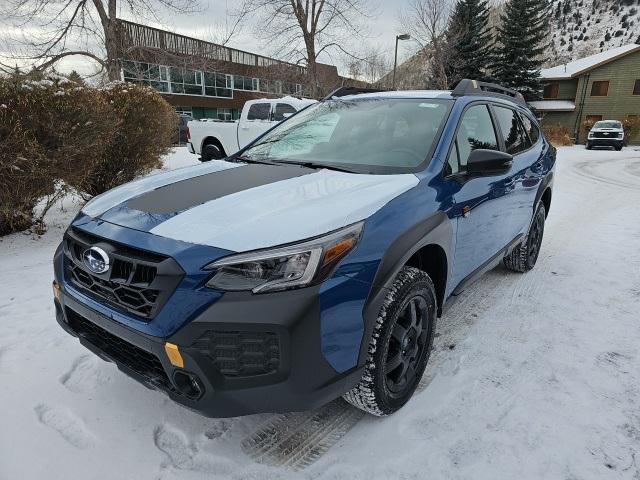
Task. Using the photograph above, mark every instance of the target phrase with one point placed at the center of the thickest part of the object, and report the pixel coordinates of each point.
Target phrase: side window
(259, 111)
(530, 128)
(475, 131)
(514, 138)
(281, 109)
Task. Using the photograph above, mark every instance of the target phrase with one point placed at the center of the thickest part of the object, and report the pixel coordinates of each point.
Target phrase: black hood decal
(183, 195)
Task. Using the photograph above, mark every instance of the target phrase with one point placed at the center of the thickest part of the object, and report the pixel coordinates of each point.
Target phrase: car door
(524, 180)
(481, 207)
(256, 122)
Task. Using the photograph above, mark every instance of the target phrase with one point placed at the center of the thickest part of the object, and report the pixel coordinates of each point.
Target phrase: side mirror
(286, 115)
(488, 162)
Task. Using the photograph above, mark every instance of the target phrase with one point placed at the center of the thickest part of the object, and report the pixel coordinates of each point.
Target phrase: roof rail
(475, 87)
(344, 91)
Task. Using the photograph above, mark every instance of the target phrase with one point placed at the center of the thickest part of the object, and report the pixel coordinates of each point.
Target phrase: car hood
(242, 207)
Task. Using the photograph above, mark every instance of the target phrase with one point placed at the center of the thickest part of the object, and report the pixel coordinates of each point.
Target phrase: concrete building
(207, 80)
(604, 86)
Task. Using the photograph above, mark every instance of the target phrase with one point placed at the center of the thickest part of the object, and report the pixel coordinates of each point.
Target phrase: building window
(241, 82)
(185, 81)
(217, 85)
(551, 90)
(184, 111)
(155, 76)
(600, 88)
(636, 87)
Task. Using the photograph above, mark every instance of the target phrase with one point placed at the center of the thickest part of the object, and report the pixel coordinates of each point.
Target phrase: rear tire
(400, 345)
(523, 257)
(211, 151)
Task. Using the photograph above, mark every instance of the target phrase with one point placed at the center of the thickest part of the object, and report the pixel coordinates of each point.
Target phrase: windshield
(371, 135)
(608, 124)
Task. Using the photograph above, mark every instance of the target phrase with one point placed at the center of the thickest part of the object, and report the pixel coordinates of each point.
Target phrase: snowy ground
(533, 376)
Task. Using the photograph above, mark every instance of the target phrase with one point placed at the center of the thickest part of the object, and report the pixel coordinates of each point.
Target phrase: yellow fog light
(174, 355)
(57, 292)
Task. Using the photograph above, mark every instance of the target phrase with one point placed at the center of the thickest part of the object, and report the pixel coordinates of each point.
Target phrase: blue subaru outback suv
(313, 263)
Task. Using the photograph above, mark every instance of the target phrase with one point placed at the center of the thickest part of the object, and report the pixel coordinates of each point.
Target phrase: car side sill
(486, 266)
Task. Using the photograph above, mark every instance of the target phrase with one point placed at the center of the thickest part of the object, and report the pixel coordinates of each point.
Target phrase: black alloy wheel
(535, 237)
(408, 340)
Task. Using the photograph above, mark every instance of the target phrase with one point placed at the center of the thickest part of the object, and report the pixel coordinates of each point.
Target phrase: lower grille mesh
(122, 352)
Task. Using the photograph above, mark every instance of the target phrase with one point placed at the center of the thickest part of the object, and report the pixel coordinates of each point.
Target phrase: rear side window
(530, 128)
(259, 111)
(512, 132)
(475, 131)
(281, 109)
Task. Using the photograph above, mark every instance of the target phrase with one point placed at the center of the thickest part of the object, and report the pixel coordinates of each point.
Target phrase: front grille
(605, 134)
(138, 282)
(241, 354)
(120, 351)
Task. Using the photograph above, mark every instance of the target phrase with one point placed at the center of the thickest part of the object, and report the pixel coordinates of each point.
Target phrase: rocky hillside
(585, 27)
(578, 28)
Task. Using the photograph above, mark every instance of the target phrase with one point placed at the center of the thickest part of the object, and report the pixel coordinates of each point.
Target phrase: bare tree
(426, 22)
(302, 30)
(371, 67)
(48, 31)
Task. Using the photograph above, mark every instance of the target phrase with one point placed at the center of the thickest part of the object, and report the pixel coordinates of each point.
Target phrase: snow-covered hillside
(533, 376)
(585, 27)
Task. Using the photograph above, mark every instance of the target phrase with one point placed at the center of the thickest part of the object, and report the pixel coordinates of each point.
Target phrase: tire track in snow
(298, 439)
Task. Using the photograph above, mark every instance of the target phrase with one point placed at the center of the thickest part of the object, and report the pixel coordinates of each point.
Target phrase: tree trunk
(109, 22)
(111, 44)
(312, 71)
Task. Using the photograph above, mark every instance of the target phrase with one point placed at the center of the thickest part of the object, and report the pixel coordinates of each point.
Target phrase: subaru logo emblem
(96, 259)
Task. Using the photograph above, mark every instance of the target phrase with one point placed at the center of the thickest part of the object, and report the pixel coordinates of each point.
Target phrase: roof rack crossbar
(344, 91)
(467, 86)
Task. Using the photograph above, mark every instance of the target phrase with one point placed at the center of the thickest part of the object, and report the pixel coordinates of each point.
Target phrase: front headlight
(285, 267)
(590, 134)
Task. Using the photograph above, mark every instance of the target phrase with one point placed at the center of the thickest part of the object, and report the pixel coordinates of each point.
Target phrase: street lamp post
(404, 36)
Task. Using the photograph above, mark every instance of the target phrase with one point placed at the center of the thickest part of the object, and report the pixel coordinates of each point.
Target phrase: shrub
(146, 128)
(586, 126)
(558, 135)
(631, 127)
(50, 129)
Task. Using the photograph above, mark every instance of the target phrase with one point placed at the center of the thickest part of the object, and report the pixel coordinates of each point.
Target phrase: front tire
(211, 152)
(523, 257)
(400, 345)
(588, 146)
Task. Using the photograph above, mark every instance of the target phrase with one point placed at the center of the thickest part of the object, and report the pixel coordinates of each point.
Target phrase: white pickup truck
(219, 139)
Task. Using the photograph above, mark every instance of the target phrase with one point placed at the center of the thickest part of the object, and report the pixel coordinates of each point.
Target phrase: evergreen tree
(522, 43)
(470, 41)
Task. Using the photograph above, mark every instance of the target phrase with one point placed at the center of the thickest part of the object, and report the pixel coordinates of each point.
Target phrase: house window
(636, 87)
(551, 90)
(600, 88)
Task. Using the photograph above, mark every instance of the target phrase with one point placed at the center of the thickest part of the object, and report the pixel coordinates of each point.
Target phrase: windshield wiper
(252, 160)
(316, 165)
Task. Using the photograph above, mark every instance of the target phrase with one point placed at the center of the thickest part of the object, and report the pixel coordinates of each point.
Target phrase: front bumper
(605, 142)
(281, 329)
